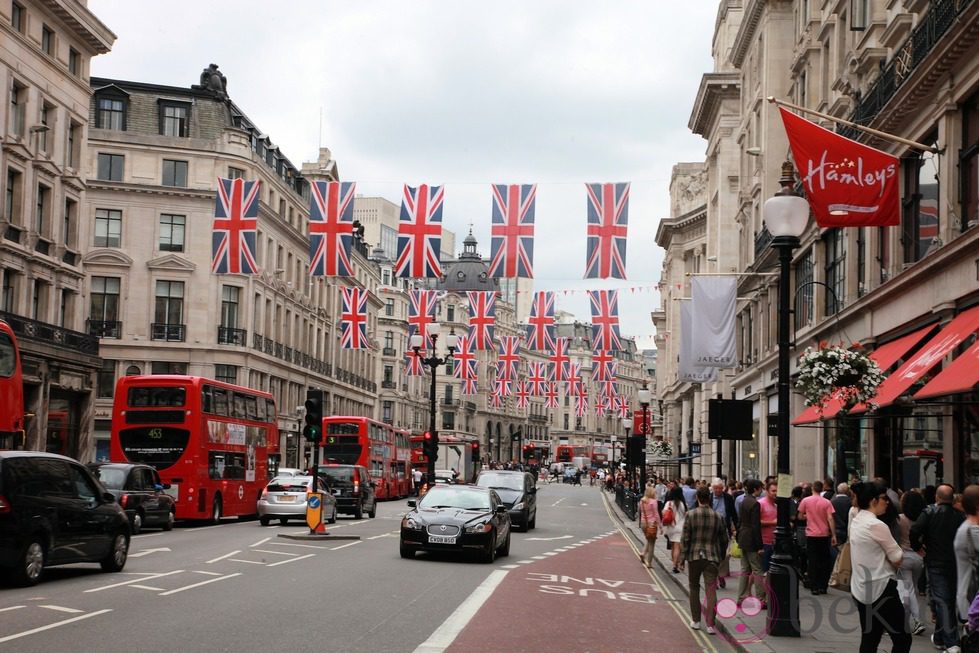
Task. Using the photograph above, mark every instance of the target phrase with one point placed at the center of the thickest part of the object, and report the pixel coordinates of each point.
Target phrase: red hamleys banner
(847, 183)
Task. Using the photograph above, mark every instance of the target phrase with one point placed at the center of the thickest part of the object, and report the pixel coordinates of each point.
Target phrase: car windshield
(500, 481)
(446, 497)
(290, 484)
(112, 478)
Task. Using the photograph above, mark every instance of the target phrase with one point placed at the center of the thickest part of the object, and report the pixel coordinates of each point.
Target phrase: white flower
(835, 372)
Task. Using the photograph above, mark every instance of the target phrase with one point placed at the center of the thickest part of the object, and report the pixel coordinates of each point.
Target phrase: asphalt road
(238, 587)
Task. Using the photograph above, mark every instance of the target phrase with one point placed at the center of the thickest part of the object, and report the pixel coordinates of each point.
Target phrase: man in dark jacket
(723, 505)
(703, 543)
(934, 531)
(749, 539)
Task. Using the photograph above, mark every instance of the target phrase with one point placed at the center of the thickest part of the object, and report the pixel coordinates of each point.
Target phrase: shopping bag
(735, 551)
(842, 569)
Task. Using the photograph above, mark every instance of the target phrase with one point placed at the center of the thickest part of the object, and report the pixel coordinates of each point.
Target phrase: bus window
(261, 414)
(251, 407)
(239, 411)
(147, 396)
(269, 410)
(8, 356)
(221, 402)
(207, 399)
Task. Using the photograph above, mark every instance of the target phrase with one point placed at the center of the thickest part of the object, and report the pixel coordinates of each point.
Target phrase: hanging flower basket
(659, 449)
(834, 372)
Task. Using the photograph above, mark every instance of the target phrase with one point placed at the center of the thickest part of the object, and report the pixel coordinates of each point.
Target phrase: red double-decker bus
(566, 453)
(11, 391)
(457, 451)
(209, 440)
(382, 449)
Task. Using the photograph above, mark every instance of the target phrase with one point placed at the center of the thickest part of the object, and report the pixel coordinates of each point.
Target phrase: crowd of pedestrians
(902, 545)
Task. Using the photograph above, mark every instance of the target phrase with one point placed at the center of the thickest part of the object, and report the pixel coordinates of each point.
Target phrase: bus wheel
(216, 512)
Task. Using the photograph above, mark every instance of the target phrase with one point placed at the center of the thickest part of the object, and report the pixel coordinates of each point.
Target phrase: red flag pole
(869, 130)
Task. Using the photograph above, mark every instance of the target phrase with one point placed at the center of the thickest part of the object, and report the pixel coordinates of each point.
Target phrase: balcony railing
(168, 332)
(105, 328)
(28, 329)
(42, 246)
(389, 351)
(13, 233)
(450, 401)
(762, 240)
(389, 385)
(232, 336)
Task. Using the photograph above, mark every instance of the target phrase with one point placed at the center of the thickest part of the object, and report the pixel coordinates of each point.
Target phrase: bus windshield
(158, 446)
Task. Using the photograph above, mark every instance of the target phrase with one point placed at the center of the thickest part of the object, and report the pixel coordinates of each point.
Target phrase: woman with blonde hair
(649, 522)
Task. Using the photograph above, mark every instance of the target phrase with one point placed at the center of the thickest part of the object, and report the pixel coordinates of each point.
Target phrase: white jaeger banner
(714, 303)
(689, 370)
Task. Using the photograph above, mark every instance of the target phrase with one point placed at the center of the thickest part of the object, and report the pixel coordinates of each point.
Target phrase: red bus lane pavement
(589, 596)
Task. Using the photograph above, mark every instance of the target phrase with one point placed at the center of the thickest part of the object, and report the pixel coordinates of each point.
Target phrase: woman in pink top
(769, 519)
(649, 516)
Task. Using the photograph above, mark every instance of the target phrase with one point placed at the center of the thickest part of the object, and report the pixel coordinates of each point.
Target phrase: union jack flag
(540, 327)
(501, 385)
(608, 219)
(605, 319)
(601, 362)
(560, 360)
(550, 395)
(576, 386)
(601, 405)
(523, 394)
(482, 318)
(469, 386)
(421, 312)
(353, 319)
(581, 405)
(465, 365)
(234, 227)
(537, 378)
(496, 397)
(512, 244)
(509, 357)
(420, 232)
(331, 225)
(621, 405)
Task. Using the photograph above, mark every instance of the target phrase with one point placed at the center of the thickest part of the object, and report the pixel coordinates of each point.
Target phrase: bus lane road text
(622, 590)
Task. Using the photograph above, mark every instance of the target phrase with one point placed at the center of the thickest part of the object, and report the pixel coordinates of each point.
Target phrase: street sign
(694, 448)
(314, 512)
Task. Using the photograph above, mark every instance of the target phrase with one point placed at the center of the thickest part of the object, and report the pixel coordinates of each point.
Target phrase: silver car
(284, 498)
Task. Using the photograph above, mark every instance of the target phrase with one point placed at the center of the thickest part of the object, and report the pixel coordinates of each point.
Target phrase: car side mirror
(108, 497)
(412, 503)
(501, 510)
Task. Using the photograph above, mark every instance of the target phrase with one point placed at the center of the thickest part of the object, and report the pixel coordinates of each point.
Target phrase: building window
(804, 292)
(69, 231)
(919, 210)
(226, 373)
(387, 412)
(65, 308)
(108, 228)
(388, 374)
(74, 142)
(74, 62)
(105, 299)
(448, 420)
(12, 197)
(111, 113)
(110, 166)
(39, 301)
(9, 291)
(106, 382)
(861, 262)
(17, 17)
(567, 421)
(236, 173)
(162, 367)
(969, 163)
(835, 270)
(18, 106)
(229, 306)
(43, 134)
(42, 207)
(450, 313)
(168, 312)
(47, 40)
(389, 307)
(174, 119)
(172, 232)
(174, 173)
(389, 340)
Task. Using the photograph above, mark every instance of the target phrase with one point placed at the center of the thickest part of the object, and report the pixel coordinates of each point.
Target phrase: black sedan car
(457, 518)
(518, 490)
(139, 491)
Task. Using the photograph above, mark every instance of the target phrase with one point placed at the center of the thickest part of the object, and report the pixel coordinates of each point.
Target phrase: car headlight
(479, 527)
(410, 524)
(518, 506)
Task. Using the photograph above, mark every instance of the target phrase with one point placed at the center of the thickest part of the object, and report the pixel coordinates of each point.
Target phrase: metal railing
(105, 328)
(168, 332)
(232, 336)
(28, 329)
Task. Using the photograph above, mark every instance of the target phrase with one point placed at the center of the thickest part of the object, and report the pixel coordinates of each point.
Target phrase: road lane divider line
(249, 562)
(375, 537)
(134, 580)
(203, 582)
(275, 553)
(445, 634)
(61, 608)
(206, 573)
(305, 546)
(226, 555)
(13, 607)
(285, 562)
(344, 546)
(261, 541)
(41, 629)
(148, 587)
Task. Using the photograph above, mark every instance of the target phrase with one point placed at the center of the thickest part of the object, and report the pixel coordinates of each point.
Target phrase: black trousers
(884, 614)
(820, 562)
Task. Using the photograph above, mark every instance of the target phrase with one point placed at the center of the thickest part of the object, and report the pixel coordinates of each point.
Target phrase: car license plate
(287, 499)
(441, 539)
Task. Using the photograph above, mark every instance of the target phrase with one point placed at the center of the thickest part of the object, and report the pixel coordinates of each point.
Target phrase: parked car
(518, 490)
(290, 471)
(54, 512)
(353, 489)
(139, 491)
(284, 498)
(457, 518)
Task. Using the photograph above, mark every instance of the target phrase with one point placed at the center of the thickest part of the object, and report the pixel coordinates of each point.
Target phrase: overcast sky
(460, 93)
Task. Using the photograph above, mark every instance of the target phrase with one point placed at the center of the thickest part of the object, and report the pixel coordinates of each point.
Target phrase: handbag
(842, 569)
(735, 551)
(651, 530)
(668, 517)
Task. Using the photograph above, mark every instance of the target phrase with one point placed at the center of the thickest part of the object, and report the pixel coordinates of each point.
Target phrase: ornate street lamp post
(433, 362)
(645, 396)
(786, 216)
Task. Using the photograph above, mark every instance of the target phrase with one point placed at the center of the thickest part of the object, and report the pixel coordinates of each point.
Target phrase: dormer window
(174, 118)
(110, 110)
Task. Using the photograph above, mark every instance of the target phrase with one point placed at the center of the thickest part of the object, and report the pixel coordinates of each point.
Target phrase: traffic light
(431, 446)
(528, 451)
(475, 452)
(636, 449)
(313, 431)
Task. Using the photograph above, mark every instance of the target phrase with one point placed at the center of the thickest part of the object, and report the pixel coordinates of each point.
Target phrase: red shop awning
(960, 328)
(885, 355)
(961, 375)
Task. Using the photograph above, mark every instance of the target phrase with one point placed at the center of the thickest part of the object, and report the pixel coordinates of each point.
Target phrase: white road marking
(584, 504)
(148, 587)
(525, 562)
(261, 541)
(60, 608)
(134, 580)
(549, 539)
(558, 501)
(226, 555)
(275, 553)
(305, 546)
(379, 536)
(250, 562)
(146, 552)
(550, 553)
(204, 582)
(445, 634)
(285, 562)
(13, 607)
(538, 557)
(344, 546)
(509, 566)
(206, 573)
(50, 626)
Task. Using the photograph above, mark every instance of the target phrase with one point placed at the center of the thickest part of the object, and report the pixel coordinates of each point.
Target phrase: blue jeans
(942, 586)
(766, 556)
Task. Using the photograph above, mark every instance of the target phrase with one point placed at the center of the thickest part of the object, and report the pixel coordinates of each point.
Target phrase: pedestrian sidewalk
(829, 623)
